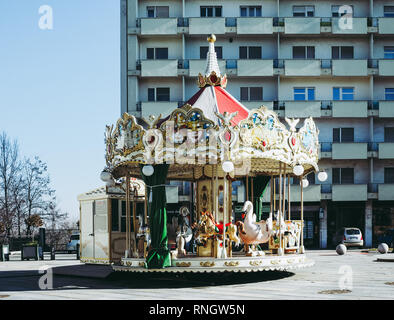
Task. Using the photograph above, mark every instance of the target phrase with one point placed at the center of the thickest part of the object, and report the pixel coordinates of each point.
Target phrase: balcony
(198, 66)
(349, 192)
(254, 25)
(302, 109)
(354, 26)
(386, 192)
(257, 104)
(350, 67)
(349, 150)
(155, 108)
(207, 26)
(350, 109)
(297, 67)
(302, 25)
(386, 109)
(255, 68)
(386, 67)
(312, 193)
(159, 26)
(386, 150)
(159, 68)
(386, 25)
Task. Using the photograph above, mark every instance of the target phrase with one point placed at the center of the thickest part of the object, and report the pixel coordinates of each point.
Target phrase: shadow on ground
(187, 280)
(29, 281)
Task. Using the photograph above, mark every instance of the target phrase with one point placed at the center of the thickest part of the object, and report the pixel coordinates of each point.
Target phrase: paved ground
(356, 275)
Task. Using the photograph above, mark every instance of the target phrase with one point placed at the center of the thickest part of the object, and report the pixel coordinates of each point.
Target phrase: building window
(303, 52)
(250, 52)
(388, 175)
(335, 11)
(343, 52)
(344, 93)
(388, 11)
(343, 175)
(251, 93)
(303, 94)
(158, 94)
(389, 93)
(303, 11)
(250, 11)
(343, 134)
(204, 52)
(389, 52)
(158, 12)
(389, 134)
(157, 53)
(211, 11)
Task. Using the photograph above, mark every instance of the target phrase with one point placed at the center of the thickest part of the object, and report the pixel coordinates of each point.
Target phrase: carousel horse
(142, 236)
(253, 232)
(208, 227)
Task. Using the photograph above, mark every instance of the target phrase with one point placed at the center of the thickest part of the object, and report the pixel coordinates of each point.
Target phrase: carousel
(211, 142)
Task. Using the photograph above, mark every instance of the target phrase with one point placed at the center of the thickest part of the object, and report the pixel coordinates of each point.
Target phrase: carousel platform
(237, 263)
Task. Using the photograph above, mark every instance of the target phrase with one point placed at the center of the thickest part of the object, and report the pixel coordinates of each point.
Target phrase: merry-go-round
(212, 141)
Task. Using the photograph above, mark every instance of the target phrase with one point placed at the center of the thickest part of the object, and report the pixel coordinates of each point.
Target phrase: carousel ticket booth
(211, 141)
(103, 221)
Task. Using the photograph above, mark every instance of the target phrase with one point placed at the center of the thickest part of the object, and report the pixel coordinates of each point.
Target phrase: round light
(227, 166)
(305, 183)
(298, 170)
(322, 176)
(105, 176)
(148, 170)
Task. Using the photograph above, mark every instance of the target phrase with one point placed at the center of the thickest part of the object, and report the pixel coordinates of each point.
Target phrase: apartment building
(332, 60)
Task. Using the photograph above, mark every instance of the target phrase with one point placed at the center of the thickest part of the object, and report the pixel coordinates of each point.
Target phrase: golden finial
(211, 38)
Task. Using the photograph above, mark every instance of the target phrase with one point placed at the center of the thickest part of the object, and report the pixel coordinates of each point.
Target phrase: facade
(300, 58)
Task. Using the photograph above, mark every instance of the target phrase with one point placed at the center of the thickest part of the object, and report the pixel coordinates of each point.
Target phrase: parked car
(72, 244)
(350, 237)
(387, 237)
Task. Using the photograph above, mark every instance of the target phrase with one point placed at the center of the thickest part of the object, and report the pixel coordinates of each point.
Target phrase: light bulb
(148, 170)
(298, 170)
(106, 176)
(227, 166)
(322, 176)
(305, 183)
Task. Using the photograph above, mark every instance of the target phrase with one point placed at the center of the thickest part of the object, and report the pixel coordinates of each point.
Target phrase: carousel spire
(212, 62)
(212, 75)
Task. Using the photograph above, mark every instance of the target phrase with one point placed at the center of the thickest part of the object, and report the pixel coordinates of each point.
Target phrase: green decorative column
(260, 184)
(159, 254)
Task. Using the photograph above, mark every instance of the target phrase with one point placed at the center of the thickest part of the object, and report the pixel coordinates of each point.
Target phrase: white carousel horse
(184, 232)
(253, 232)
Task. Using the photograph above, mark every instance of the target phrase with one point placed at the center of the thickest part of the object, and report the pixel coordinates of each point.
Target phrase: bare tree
(10, 167)
(38, 193)
(53, 215)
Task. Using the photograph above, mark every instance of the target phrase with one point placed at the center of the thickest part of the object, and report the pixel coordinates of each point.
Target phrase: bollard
(5, 252)
(52, 253)
(78, 253)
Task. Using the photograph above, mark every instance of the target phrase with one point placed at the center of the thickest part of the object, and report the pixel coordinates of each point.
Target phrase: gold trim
(231, 263)
(256, 263)
(183, 264)
(207, 264)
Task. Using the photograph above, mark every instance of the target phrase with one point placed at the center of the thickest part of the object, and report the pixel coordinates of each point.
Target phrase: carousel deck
(236, 263)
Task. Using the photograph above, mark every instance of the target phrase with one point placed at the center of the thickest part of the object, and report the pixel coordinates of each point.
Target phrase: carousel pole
(284, 192)
(288, 198)
(302, 249)
(225, 205)
(217, 194)
(271, 192)
(127, 254)
(135, 221)
(280, 250)
(247, 187)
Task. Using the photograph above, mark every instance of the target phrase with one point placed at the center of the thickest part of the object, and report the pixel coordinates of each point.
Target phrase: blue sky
(60, 87)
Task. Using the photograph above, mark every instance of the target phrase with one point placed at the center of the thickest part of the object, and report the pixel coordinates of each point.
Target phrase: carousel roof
(210, 128)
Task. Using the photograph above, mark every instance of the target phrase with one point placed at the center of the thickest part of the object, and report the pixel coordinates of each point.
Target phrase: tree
(53, 215)
(38, 194)
(10, 167)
